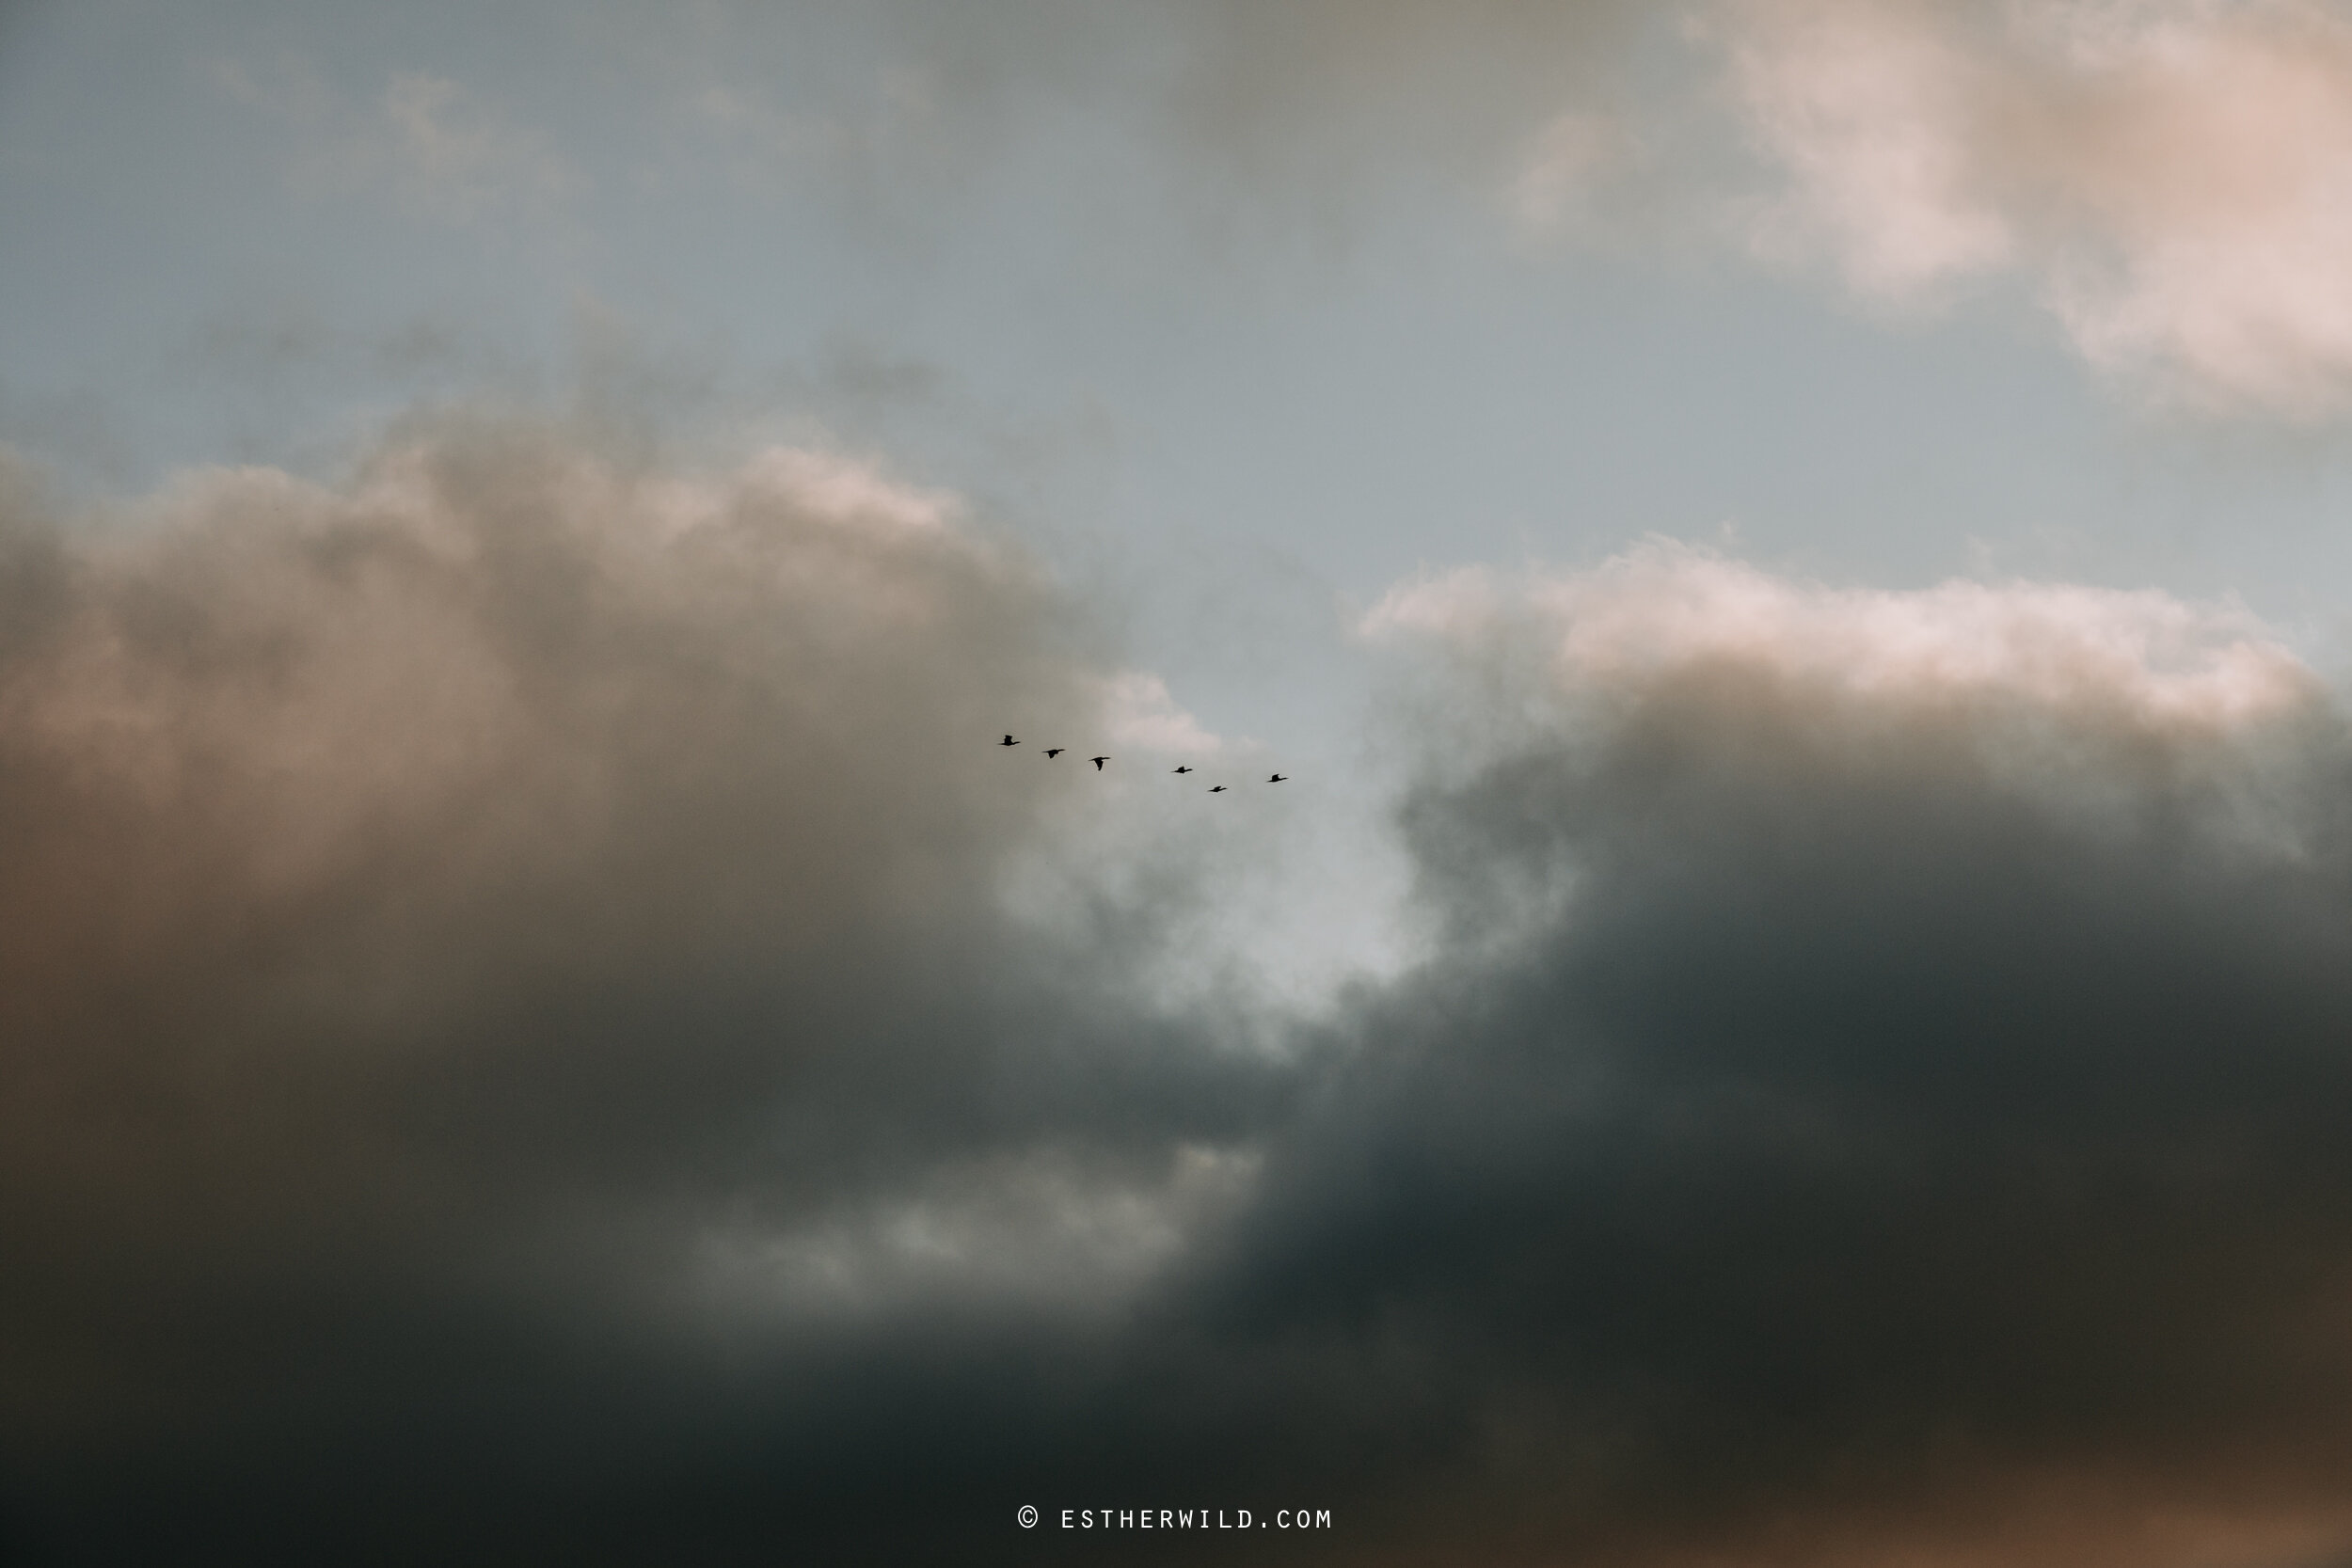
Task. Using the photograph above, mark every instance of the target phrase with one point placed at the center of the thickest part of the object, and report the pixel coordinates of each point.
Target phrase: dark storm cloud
(1884, 1087)
(519, 1045)
(462, 921)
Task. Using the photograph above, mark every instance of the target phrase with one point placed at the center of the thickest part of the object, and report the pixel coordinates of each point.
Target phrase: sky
(1790, 1010)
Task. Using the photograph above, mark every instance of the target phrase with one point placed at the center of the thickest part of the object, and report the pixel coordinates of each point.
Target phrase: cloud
(514, 894)
(1144, 714)
(2168, 178)
(2164, 178)
(1317, 91)
(1877, 1095)
(1246, 127)
(1667, 608)
(1562, 163)
(536, 1019)
(449, 154)
(437, 148)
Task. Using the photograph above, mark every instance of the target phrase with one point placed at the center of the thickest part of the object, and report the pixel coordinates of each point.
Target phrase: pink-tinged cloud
(1664, 608)
(2173, 179)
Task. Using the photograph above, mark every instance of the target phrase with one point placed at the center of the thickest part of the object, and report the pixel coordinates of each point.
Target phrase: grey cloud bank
(537, 1025)
(520, 1044)
(456, 904)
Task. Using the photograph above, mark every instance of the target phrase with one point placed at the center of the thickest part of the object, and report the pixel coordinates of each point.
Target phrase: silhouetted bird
(1098, 762)
(1216, 789)
(1008, 741)
(1277, 778)
(1184, 770)
(1055, 750)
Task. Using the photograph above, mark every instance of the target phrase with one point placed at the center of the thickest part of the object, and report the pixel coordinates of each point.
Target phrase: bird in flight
(1055, 750)
(1184, 770)
(1216, 789)
(1008, 741)
(1098, 762)
(1277, 778)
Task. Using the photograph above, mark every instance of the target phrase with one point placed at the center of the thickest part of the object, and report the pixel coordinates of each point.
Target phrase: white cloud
(2057, 691)
(1663, 607)
(1866, 105)
(2173, 176)
(1139, 712)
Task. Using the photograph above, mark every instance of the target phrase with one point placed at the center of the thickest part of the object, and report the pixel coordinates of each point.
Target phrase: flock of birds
(1213, 789)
